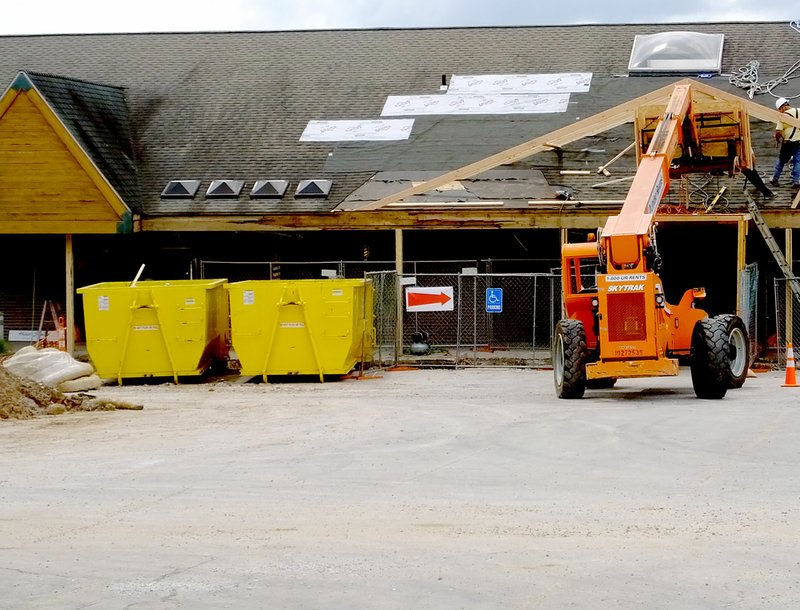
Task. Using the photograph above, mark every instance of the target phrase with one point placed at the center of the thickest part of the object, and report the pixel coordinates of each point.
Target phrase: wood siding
(43, 186)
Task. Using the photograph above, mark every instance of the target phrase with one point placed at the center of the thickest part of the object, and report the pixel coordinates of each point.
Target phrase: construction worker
(788, 139)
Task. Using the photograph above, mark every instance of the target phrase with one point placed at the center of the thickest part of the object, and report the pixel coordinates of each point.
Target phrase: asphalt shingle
(211, 106)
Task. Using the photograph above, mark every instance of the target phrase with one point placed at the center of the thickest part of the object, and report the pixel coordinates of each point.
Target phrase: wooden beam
(518, 218)
(603, 168)
(566, 216)
(741, 261)
(796, 200)
(614, 181)
(598, 123)
(69, 281)
(753, 109)
(32, 226)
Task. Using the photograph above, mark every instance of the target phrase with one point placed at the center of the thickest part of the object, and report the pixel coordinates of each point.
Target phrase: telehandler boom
(619, 323)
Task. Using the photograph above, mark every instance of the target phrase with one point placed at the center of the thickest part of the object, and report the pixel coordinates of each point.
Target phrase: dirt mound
(22, 399)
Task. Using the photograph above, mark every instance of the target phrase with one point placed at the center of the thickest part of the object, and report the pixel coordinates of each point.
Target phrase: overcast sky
(84, 16)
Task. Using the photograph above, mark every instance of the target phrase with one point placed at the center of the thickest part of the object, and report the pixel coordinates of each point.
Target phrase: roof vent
(224, 189)
(269, 189)
(676, 53)
(313, 188)
(181, 189)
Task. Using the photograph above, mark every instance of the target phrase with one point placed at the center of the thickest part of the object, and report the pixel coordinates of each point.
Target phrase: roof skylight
(224, 189)
(313, 188)
(676, 53)
(180, 189)
(269, 189)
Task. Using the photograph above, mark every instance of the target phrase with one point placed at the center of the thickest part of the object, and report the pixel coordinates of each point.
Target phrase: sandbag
(81, 384)
(64, 371)
(28, 361)
(47, 366)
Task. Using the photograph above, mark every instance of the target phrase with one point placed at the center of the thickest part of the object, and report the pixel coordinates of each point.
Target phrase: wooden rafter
(598, 123)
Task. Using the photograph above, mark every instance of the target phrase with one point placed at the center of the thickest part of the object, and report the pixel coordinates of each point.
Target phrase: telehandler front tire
(710, 361)
(569, 359)
(739, 349)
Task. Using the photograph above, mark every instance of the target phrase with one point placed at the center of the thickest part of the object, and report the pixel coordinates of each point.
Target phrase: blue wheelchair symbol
(494, 300)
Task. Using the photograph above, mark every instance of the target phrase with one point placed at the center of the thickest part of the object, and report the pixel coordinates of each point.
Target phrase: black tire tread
(732, 322)
(710, 360)
(575, 356)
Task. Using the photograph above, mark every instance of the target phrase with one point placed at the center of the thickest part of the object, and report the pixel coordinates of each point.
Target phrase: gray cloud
(57, 16)
(446, 13)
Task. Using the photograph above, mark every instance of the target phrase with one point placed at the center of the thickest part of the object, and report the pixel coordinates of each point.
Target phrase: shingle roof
(97, 117)
(212, 106)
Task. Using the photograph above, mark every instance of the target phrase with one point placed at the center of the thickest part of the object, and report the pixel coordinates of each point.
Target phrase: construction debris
(22, 398)
(603, 169)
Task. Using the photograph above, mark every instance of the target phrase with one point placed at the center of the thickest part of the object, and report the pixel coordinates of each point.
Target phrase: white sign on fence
(439, 298)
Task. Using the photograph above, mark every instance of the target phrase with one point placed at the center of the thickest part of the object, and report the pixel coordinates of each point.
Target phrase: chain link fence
(464, 332)
(468, 330)
(787, 318)
(491, 319)
(749, 307)
(236, 271)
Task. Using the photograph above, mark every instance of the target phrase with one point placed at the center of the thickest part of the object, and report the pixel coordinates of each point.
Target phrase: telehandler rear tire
(569, 359)
(739, 354)
(709, 361)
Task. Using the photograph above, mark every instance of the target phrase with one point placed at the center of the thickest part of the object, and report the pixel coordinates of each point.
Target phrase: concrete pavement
(418, 489)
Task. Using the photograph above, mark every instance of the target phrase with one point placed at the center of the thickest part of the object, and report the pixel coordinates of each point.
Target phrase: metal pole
(398, 263)
(458, 320)
(535, 300)
(474, 319)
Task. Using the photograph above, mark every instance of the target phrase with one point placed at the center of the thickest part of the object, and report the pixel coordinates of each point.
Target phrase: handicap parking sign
(494, 300)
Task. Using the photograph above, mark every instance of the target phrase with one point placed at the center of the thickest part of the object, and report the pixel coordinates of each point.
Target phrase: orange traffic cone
(791, 372)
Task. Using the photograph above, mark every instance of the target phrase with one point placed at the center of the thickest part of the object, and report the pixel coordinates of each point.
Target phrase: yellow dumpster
(156, 328)
(301, 327)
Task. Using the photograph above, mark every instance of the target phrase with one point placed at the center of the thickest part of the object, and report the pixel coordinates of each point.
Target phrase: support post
(69, 281)
(741, 261)
(398, 265)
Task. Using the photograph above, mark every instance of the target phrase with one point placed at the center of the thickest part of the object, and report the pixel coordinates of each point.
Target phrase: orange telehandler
(619, 323)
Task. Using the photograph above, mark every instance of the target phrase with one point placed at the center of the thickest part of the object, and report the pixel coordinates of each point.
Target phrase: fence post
(535, 302)
(398, 262)
(474, 318)
(458, 320)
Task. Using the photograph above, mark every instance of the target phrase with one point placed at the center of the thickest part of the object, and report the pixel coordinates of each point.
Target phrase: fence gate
(465, 320)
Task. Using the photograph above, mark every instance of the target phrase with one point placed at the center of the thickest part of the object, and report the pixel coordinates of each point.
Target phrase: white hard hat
(780, 102)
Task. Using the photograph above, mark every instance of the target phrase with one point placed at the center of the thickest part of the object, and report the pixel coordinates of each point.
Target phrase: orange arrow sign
(416, 299)
(429, 298)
